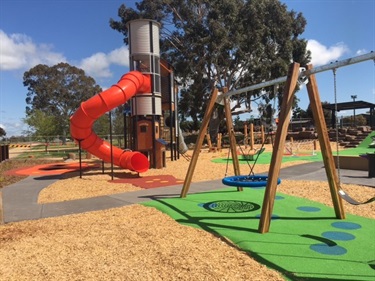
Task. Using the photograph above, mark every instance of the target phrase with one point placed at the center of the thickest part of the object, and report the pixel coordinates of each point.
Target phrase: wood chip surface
(137, 242)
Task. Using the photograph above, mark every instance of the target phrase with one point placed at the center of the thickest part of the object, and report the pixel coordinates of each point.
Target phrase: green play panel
(305, 242)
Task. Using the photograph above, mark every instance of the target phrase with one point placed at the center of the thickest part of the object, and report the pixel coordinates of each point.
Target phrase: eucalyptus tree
(222, 43)
(43, 125)
(58, 91)
(2, 132)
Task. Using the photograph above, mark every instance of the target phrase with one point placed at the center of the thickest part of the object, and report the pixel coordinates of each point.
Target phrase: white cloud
(98, 65)
(361, 52)
(321, 54)
(13, 128)
(120, 56)
(18, 51)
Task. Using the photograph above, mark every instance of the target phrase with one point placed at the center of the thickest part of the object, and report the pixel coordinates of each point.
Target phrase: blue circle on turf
(279, 197)
(308, 209)
(328, 250)
(346, 225)
(338, 235)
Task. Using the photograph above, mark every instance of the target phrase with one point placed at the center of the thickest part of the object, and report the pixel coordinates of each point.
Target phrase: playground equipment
(153, 123)
(142, 90)
(251, 180)
(294, 76)
(251, 153)
(211, 147)
(251, 138)
(247, 181)
(252, 156)
(146, 109)
(300, 147)
(82, 120)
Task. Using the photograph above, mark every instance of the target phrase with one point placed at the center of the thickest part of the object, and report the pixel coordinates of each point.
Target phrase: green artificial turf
(367, 141)
(362, 148)
(265, 158)
(305, 242)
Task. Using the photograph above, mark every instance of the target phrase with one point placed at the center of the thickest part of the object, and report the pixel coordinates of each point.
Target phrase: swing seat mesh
(247, 181)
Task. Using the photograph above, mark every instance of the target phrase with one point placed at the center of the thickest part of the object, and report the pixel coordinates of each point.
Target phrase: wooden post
(262, 133)
(199, 142)
(291, 145)
(325, 146)
(245, 140)
(1, 209)
(251, 136)
(277, 153)
(314, 148)
(208, 138)
(232, 137)
(219, 138)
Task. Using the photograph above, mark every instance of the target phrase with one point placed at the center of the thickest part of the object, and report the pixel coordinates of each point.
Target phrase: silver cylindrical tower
(144, 53)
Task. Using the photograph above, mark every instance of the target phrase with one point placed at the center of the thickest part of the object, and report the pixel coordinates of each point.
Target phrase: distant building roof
(349, 105)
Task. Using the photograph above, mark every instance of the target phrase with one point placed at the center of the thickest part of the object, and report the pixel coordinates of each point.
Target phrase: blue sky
(78, 32)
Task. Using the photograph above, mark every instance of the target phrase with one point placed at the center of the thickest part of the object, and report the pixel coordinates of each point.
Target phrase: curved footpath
(20, 200)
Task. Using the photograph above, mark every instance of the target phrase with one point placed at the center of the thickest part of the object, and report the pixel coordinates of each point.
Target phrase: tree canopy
(57, 91)
(2, 132)
(230, 43)
(43, 125)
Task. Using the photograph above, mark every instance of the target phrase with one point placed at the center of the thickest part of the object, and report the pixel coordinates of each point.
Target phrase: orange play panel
(51, 169)
(150, 181)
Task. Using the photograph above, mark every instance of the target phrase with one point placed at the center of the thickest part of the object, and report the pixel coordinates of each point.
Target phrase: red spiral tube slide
(82, 120)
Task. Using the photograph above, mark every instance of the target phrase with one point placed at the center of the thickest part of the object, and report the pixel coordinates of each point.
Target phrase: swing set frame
(294, 76)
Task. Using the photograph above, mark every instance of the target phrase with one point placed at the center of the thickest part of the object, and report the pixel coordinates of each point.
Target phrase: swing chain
(342, 193)
(336, 128)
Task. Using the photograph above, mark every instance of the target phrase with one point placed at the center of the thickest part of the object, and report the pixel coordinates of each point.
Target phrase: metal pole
(80, 158)
(353, 97)
(110, 140)
(125, 130)
(305, 73)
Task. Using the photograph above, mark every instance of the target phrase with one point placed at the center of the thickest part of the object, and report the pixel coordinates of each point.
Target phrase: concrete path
(20, 199)
(315, 171)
